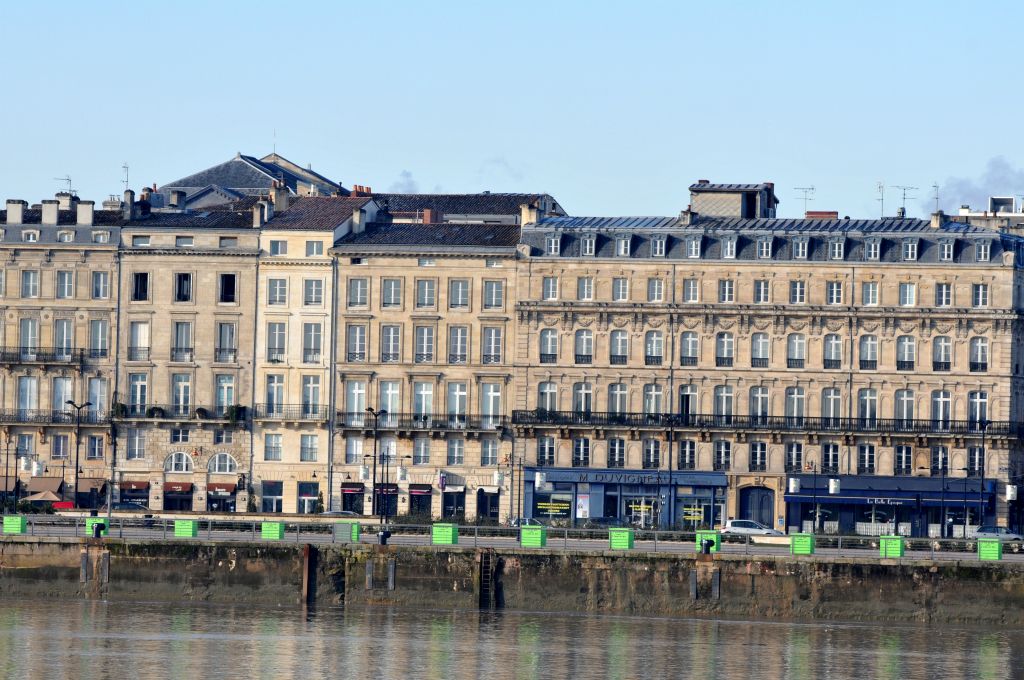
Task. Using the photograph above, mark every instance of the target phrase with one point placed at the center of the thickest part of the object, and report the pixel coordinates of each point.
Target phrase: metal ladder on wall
(486, 579)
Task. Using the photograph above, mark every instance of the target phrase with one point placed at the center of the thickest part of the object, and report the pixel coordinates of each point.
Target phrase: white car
(748, 527)
(1001, 533)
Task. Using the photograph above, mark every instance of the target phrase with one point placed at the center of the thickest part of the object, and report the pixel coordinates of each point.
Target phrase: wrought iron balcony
(492, 358)
(618, 359)
(707, 421)
(979, 366)
(185, 354)
(904, 365)
(652, 360)
(869, 364)
(723, 362)
(389, 357)
(51, 417)
(794, 363)
(456, 358)
(833, 364)
(225, 355)
(687, 361)
(138, 354)
(275, 355)
(941, 365)
(424, 357)
(97, 352)
(548, 358)
(417, 421)
(41, 355)
(290, 412)
(356, 356)
(180, 412)
(584, 358)
(761, 362)
(311, 356)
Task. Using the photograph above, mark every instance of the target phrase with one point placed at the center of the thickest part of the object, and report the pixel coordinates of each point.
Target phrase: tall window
(308, 445)
(227, 288)
(426, 294)
(272, 447)
(549, 288)
(794, 457)
(358, 292)
(868, 352)
(619, 347)
(943, 294)
(136, 444)
(458, 293)
(183, 287)
(276, 333)
(548, 345)
(723, 404)
(831, 407)
(979, 295)
(761, 291)
(655, 290)
(421, 451)
(759, 404)
(796, 350)
(723, 455)
(832, 349)
(724, 349)
(651, 454)
(312, 292)
(616, 453)
(903, 459)
(311, 343)
(726, 290)
(423, 400)
(797, 292)
(689, 348)
(275, 394)
(795, 406)
(584, 346)
(582, 397)
(65, 285)
(830, 458)
(585, 288)
(494, 294)
(942, 353)
(458, 344)
(29, 283)
(653, 399)
(979, 354)
(691, 290)
(355, 342)
(547, 396)
(866, 459)
(729, 248)
(942, 407)
(581, 452)
(545, 450)
(277, 291)
(653, 347)
(687, 454)
(908, 294)
(488, 451)
(622, 246)
(904, 404)
(492, 345)
(100, 285)
(390, 343)
(618, 398)
(833, 293)
(867, 407)
(906, 352)
(758, 456)
(977, 409)
(424, 344)
(940, 459)
(869, 293)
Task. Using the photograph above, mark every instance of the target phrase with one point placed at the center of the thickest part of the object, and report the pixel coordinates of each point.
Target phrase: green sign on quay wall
(90, 522)
(990, 549)
(186, 528)
(14, 524)
(890, 546)
(620, 538)
(715, 536)
(272, 531)
(801, 544)
(349, 530)
(533, 537)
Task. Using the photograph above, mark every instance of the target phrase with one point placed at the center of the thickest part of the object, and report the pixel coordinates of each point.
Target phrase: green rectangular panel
(444, 534)
(349, 531)
(533, 537)
(14, 524)
(715, 536)
(90, 522)
(620, 539)
(990, 549)
(272, 531)
(186, 528)
(801, 544)
(891, 546)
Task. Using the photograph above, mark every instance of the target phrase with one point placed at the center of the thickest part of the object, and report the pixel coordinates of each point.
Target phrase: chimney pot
(16, 211)
(937, 219)
(85, 213)
(128, 205)
(50, 212)
(64, 200)
(178, 199)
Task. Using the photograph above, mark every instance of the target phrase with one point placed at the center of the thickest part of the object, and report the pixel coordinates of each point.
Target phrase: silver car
(748, 527)
(1002, 533)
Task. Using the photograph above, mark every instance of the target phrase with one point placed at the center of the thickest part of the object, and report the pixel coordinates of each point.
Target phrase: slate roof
(457, 204)
(316, 213)
(250, 175)
(444, 236)
(607, 223)
(718, 188)
(68, 217)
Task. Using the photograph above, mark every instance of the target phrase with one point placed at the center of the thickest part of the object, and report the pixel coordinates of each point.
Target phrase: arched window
(547, 396)
(796, 350)
(178, 462)
(223, 464)
(548, 346)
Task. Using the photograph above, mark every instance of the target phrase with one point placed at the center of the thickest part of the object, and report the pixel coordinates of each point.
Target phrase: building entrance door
(758, 503)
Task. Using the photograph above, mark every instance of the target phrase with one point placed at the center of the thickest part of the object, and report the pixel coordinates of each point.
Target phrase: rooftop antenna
(881, 197)
(905, 189)
(935, 188)
(274, 145)
(125, 180)
(808, 195)
(67, 179)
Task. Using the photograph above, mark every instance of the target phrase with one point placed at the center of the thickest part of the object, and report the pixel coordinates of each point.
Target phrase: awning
(387, 489)
(352, 487)
(454, 489)
(178, 487)
(891, 498)
(221, 488)
(420, 489)
(134, 486)
(489, 489)
(43, 497)
(87, 485)
(51, 484)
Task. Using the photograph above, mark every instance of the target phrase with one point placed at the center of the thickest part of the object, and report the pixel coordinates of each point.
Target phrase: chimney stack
(64, 200)
(937, 219)
(146, 191)
(85, 213)
(261, 214)
(128, 205)
(358, 221)
(178, 199)
(50, 211)
(279, 195)
(528, 213)
(15, 211)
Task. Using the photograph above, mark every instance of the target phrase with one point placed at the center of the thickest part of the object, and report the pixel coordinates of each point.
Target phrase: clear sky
(615, 108)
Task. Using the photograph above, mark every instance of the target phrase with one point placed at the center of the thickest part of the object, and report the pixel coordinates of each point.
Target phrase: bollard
(382, 536)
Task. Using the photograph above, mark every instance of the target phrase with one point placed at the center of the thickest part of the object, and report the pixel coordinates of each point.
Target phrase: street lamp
(382, 533)
(942, 498)
(78, 440)
(7, 472)
(966, 472)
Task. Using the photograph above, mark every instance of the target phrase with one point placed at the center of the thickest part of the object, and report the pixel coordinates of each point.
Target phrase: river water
(136, 641)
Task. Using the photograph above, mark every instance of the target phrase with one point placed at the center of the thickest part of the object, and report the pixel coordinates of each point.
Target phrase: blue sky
(615, 108)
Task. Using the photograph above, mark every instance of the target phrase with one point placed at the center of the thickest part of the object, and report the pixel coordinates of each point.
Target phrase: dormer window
(945, 251)
(183, 241)
(552, 244)
(658, 246)
(588, 245)
(101, 237)
(729, 247)
(140, 241)
(910, 250)
(800, 249)
(30, 236)
(836, 249)
(982, 251)
(764, 248)
(622, 246)
(693, 247)
(65, 236)
(872, 248)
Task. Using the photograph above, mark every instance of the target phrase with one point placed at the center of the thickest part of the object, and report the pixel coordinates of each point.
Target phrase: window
(458, 344)
(492, 345)
(796, 401)
(228, 288)
(588, 245)
(618, 348)
(426, 293)
(101, 237)
(183, 242)
(982, 251)
(585, 288)
(584, 346)
(424, 339)
(723, 404)
(272, 447)
(616, 453)
(494, 294)
(622, 246)
(942, 353)
(224, 396)
(488, 451)
(308, 448)
(758, 456)
(222, 464)
(691, 290)
(137, 393)
(550, 288)
(545, 451)
(797, 292)
(724, 349)
(277, 291)
(180, 435)
(581, 452)
(421, 451)
(909, 250)
(29, 283)
(764, 248)
(759, 408)
(871, 249)
(136, 444)
(178, 462)
(391, 293)
(689, 348)
(658, 246)
(651, 454)
(904, 406)
(903, 459)
(552, 244)
(355, 342)
(456, 451)
(759, 350)
(979, 295)
(311, 340)
(906, 353)
(140, 286)
(390, 343)
(181, 394)
(908, 294)
(228, 242)
(867, 407)
(458, 294)
(620, 290)
(99, 334)
(794, 457)
(940, 459)
(279, 247)
(547, 396)
(836, 249)
(833, 293)
(945, 251)
(653, 399)
(869, 293)
(687, 454)
(800, 249)
(655, 290)
(943, 294)
(796, 350)
(726, 290)
(358, 292)
(723, 455)
(729, 248)
(618, 398)
(979, 355)
(425, 262)
(868, 347)
(60, 446)
(423, 400)
(866, 459)
(312, 292)
(761, 289)
(276, 339)
(140, 241)
(314, 248)
(183, 287)
(100, 285)
(693, 247)
(65, 285)
(653, 348)
(975, 460)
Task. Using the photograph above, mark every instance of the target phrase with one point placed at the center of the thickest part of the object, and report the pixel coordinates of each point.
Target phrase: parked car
(603, 523)
(748, 527)
(1002, 533)
(340, 513)
(126, 506)
(525, 522)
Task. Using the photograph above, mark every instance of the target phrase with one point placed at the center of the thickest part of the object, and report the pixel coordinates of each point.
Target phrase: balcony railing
(311, 356)
(290, 412)
(225, 355)
(794, 363)
(275, 355)
(138, 354)
(652, 360)
(176, 412)
(96, 352)
(833, 364)
(41, 355)
(584, 358)
(869, 364)
(456, 358)
(700, 421)
(941, 365)
(492, 358)
(723, 362)
(356, 356)
(687, 361)
(22, 415)
(423, 357)
(183, 354)
(548, 358)
(979, 366)
(389, 357)
(761, 362)
(618, 359)
(904, 365)
(425, 422)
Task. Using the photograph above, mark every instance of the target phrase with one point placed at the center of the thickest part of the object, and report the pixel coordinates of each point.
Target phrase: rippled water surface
(46, 638)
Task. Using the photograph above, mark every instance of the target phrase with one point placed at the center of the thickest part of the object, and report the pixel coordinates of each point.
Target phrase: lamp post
(942, 497)
(78, 440)
(814, 487)
(382, 534)
(966, 472)
(7, 472)
(981, 466)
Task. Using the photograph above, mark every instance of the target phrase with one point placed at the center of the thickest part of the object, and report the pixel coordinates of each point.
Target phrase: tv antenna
(66, 179)
(905, 189)
(935, 188)
(881, 197)
(125, 180)
(808, 195)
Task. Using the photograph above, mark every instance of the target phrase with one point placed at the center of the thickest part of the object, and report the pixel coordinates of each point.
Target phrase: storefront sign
(554, 508)
(583, 506)
(884, 501)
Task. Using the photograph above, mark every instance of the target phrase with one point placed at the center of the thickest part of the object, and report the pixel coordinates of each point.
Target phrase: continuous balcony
(706, 421)
(411, 422)
(64, 356)
(49, 417)
(178, 412)
(290, 412)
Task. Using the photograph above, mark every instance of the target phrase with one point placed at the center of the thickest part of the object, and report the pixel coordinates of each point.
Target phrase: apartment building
(726, 363)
